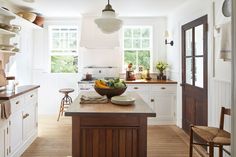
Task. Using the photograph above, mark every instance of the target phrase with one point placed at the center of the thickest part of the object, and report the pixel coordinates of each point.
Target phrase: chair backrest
(222, 116)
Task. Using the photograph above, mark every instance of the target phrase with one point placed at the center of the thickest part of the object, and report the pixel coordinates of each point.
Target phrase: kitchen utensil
(110, 92)
(27, 15)
(226, 8)
(122, 100)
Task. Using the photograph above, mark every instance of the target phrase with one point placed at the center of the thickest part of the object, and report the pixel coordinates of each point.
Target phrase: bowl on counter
(110, 92)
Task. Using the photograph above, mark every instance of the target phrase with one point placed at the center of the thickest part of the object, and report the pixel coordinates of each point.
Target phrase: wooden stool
(65, 101)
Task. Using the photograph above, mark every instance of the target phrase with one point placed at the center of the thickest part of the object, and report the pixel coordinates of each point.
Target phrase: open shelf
(24, 22)
(4, 51)
(6, 32)
(7, 13)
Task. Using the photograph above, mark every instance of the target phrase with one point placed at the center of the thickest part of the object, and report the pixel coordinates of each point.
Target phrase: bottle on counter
(148, 75)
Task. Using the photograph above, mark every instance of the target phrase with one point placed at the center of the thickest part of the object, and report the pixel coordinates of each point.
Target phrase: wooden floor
(55, 140)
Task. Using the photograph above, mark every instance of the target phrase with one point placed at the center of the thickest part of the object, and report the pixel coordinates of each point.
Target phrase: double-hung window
(63, 47)
(137, 46)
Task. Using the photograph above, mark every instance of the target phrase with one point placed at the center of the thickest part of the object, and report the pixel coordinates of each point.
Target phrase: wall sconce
(166, 36)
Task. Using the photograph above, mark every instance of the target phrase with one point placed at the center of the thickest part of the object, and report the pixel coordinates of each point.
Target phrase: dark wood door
(194, 73)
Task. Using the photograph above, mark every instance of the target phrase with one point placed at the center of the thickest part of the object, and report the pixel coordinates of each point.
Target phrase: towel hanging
(225, 42)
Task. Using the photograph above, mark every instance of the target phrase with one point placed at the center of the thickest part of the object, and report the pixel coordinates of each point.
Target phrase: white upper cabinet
(93, 38)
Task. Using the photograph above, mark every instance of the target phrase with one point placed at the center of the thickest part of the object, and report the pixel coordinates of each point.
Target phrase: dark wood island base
(111, 131)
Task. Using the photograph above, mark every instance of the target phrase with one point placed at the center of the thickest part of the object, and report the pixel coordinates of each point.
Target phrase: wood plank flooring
(55, 140)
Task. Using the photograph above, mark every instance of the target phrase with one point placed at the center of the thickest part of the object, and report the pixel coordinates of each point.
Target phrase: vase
(161, 76)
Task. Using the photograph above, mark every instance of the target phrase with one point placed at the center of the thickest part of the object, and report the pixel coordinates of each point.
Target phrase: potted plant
(161, 67)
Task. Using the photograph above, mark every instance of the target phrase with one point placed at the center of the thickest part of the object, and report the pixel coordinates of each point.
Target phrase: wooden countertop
(19, 91)
(139, 108)
(152, 81)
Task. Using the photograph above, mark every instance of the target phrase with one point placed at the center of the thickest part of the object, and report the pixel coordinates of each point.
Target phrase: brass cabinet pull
(135, 87)
(26, 115)
(163, 87)
(152, 100)
(17, 102)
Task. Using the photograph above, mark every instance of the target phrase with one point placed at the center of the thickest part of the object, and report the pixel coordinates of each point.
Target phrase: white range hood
(93, 38)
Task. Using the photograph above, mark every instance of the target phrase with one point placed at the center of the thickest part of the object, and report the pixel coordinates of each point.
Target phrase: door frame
(233, 80)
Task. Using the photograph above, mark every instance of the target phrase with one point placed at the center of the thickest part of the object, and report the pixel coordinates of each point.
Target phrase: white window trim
(150, 49)
(50, 27)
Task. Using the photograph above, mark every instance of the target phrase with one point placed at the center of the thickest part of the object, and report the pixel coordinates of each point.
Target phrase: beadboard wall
(221, 96)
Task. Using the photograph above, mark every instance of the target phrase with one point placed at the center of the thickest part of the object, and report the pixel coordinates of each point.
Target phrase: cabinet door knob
(17, 102)
(152, 100)
(163, 87)
(135, 87)
(31, 95)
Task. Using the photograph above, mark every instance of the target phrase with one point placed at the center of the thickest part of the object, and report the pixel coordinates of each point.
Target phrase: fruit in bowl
(110, 88)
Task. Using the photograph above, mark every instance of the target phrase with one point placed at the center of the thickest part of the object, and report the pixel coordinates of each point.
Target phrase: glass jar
(11, 84)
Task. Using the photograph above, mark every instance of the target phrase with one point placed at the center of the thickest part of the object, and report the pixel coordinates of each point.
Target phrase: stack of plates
(122, 100)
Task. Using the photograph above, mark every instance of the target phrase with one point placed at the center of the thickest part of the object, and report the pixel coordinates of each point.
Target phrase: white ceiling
(74, 8)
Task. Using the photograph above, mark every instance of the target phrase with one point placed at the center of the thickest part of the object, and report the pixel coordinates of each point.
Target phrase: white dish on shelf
(6, 47)
(123, 100)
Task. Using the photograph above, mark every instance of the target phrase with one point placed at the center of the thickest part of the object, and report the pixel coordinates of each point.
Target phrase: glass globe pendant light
(108, 23)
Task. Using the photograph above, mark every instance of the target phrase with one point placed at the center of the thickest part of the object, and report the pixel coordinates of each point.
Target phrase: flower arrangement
(161, 66)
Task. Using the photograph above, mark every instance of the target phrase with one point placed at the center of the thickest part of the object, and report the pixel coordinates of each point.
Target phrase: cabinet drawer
(164, 88)
(17, 103)
(31, 96)
(137, 88)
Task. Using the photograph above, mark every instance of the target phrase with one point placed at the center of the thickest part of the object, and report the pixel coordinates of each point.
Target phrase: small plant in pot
(161, 67)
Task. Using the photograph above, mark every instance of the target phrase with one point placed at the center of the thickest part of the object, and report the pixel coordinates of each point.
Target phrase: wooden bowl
(110, 92)
(27, 15)
(39, 20)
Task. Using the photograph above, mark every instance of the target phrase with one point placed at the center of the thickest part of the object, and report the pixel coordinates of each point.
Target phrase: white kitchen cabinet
(142, 90)
(4, 139)
(16, 130)
(29, 121)
(24, 122)
(164, 106)
(161, 98)
(21, 129)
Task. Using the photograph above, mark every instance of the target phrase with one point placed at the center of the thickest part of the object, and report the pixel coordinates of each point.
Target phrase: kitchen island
(108, 130)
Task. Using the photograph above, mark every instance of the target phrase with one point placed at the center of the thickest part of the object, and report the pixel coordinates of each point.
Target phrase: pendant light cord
(108, 1)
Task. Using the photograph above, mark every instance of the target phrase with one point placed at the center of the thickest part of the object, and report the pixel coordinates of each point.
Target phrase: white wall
(189, 11)
(218, 71)
(49, 97)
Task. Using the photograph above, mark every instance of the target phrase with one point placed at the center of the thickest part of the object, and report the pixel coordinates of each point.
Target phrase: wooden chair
(214, 137)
